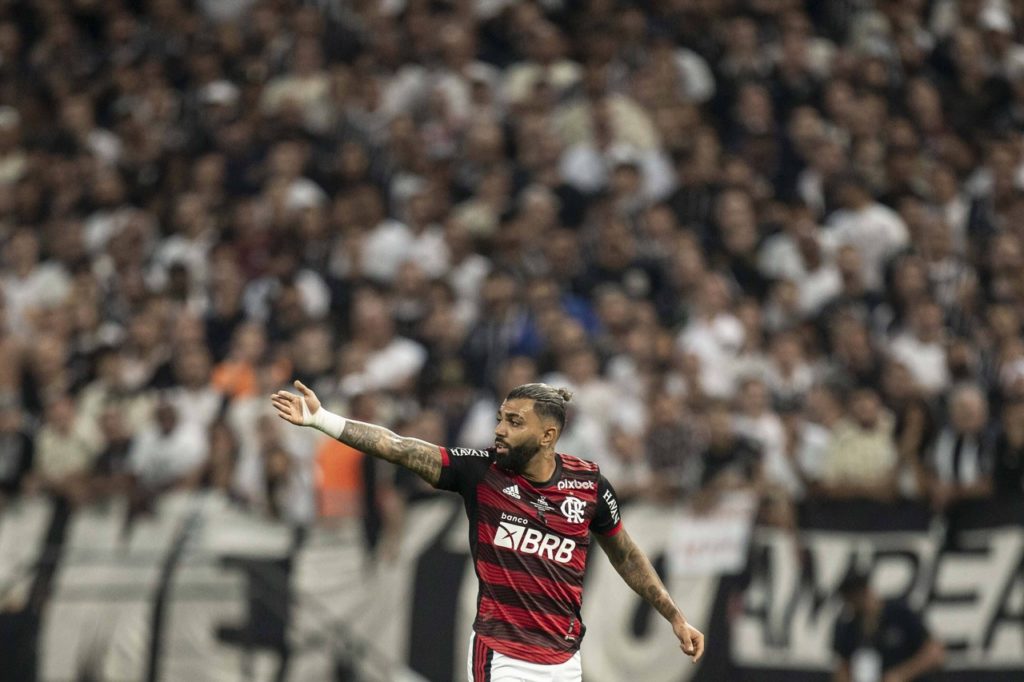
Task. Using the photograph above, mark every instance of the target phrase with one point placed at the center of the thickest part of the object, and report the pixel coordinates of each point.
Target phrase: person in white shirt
(29, 284)
(195, 397)
(194, 236)
(171, 451)
(796, 254)
(714, 335)
(467, 269)
(389, 361)
(922, 348)
(757, 421)
(877, 231)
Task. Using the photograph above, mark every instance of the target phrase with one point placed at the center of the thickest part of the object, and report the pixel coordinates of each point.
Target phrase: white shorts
(486, 665)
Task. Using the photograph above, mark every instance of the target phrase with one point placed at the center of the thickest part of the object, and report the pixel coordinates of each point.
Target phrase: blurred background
(776, 247)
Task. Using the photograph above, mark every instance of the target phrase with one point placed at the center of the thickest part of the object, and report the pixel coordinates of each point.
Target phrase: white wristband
(328, 422)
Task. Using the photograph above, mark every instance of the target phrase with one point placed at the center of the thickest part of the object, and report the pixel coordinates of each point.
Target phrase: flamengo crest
(572, 509)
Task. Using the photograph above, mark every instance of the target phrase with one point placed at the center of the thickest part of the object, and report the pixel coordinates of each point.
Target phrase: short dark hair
(548, 401)
(855, 582)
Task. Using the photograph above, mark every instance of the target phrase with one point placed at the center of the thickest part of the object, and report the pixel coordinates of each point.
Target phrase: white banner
(715, 541)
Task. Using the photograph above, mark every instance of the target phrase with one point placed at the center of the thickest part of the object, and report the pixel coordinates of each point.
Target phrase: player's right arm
(419, 457)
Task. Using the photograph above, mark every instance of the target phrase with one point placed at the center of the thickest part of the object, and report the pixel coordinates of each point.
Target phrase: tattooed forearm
(418, 456)
(636, 570)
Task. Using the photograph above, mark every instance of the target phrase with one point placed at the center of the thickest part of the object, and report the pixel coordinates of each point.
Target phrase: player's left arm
(636, 569)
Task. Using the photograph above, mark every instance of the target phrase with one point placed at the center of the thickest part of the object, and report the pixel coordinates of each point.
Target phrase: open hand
(691, 640)
(297, 409)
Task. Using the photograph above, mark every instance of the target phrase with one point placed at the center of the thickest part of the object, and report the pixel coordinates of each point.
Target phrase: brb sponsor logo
(513, 533)
(572, 484)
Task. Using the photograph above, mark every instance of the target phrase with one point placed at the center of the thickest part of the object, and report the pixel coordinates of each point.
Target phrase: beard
(518, 457)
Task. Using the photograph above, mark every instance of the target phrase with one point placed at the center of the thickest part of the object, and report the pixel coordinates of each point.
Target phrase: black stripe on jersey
(514, 633)
(531, 601)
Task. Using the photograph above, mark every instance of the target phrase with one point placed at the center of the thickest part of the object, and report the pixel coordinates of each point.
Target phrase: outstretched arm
(636, 569)
(419, 457)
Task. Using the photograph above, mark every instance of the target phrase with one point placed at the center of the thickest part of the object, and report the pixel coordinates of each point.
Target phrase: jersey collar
(555, 475)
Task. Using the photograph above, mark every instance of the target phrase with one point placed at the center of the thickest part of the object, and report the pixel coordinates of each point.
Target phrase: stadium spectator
(65, 450)
(1009, 452)
(728, 461)
(915, 426)
(881, 639)
(861, 460)
(960, 461)
(111, 471)
(674, 447)
(17, 447)
(171, 452)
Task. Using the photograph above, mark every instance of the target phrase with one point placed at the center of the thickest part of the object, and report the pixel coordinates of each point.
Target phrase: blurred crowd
(770, 244)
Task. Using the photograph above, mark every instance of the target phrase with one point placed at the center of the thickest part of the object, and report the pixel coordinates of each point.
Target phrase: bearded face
(515, 458)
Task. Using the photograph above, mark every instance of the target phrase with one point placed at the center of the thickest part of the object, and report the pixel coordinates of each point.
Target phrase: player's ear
(550, 435)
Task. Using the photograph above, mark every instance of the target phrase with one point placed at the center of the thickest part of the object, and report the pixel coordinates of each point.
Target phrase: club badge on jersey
(572, 509)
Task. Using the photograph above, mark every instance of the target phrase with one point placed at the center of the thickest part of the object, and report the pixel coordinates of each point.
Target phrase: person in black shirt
(1009, 452)
(16, 447)
(881, 640)
(729, 460)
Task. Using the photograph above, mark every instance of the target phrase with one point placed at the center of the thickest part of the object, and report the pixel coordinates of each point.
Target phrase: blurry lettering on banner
(202, 588)
(970, 593)
(713, 541)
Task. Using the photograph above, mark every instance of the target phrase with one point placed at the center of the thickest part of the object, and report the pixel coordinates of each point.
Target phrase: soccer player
(531, 512)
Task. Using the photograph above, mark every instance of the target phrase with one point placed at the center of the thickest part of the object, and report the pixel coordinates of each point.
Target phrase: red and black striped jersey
(529, 543)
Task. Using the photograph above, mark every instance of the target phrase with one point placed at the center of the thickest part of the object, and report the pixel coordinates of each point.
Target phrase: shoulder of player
(578, 465)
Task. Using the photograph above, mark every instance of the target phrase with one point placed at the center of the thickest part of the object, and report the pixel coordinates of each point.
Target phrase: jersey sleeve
(462, 468)
(606, 519)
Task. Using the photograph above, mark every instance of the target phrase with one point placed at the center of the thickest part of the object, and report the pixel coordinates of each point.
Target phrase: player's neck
(541, 468)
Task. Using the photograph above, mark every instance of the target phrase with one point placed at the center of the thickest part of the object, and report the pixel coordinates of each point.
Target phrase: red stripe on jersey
(577, 464)
(519, 616)
(481, 661)
(581, 468)
(499, 575)
(445, 458)
(519, 643)
(614, 531)
(530, 637)
(533, 601)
